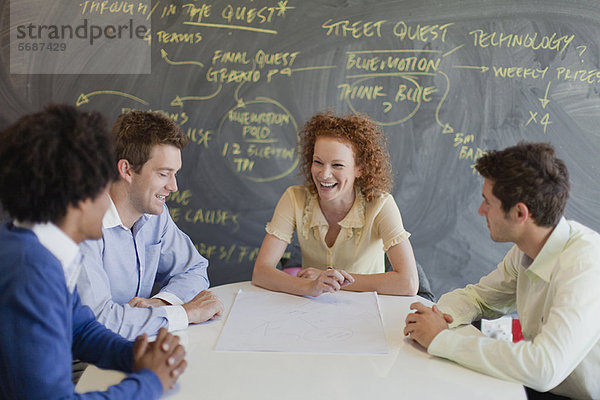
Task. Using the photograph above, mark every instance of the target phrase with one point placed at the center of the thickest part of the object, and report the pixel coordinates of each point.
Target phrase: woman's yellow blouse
(368, 230)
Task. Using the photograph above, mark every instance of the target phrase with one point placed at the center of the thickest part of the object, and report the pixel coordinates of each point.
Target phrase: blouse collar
(313, 218)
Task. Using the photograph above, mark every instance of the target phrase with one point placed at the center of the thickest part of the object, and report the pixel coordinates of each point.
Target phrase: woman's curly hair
(368, 143)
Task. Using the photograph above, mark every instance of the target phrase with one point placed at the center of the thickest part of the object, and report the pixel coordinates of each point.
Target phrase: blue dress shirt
(127, 263)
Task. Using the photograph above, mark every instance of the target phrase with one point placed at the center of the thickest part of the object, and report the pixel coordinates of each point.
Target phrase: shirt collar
(60, 245)
(111, 217)
(356, 216)
(544, 263)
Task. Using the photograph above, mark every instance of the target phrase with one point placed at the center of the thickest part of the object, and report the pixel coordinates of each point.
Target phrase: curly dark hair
(368, 143)
(137, 132)
(529, 173)
(53, 159)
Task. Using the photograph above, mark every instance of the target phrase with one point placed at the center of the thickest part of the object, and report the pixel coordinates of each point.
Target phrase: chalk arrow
(236, 94)
(82, 99)
(163, 54)
(481, 69)
(545, 100)
(85, 98)
(178, 101)
(447, 128)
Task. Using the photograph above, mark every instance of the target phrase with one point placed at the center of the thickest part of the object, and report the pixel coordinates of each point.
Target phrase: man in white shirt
(551, 277)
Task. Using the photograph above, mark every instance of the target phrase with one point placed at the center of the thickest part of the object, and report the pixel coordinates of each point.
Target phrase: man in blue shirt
(142, 248)
(56, 166)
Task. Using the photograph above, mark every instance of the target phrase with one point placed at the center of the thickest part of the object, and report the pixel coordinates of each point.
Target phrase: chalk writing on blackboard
(446, 83)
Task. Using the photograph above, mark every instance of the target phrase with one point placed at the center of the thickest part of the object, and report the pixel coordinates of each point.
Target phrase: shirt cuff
(169, 298)
(440, 343)
(177, 318)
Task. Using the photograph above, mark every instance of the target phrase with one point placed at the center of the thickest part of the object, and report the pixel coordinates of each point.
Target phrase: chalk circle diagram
(258, 140)
(399, 99)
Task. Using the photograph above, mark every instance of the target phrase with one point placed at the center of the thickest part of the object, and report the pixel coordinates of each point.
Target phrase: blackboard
(447, 80)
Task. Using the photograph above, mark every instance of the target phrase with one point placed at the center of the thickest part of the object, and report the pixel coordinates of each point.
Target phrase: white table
(407, 371)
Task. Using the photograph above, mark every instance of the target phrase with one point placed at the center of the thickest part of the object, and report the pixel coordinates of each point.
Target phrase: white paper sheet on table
(343, 322)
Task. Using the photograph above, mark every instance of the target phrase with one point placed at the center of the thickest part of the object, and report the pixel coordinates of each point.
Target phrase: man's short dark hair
(137, 132)
(53, 159)
(529, 173)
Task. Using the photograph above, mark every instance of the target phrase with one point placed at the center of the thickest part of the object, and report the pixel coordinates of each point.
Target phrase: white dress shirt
(557, 298)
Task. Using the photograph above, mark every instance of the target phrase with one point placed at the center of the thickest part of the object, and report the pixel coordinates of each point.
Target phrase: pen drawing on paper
(343, 322)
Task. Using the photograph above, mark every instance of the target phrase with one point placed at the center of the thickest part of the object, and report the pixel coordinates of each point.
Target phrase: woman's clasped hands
(329, 280)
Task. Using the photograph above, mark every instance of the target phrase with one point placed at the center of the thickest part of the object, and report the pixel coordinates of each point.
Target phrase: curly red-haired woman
(344, 217)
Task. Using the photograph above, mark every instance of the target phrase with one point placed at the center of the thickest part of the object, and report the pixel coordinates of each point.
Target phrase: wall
(447, 80)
